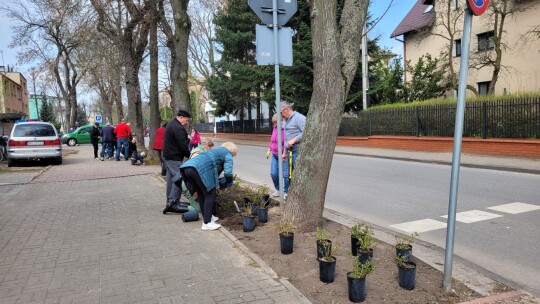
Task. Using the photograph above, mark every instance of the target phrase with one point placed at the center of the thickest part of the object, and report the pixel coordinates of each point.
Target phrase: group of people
(116, 141)
(192, 161)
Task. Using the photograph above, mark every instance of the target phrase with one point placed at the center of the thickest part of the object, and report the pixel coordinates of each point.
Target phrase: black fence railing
(518, 119)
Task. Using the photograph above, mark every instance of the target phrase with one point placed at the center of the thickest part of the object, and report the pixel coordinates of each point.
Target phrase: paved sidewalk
(93, 232)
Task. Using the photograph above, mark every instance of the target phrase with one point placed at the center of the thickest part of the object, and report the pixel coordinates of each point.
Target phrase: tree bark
(177, 42)
(335, 59)
(155, 118)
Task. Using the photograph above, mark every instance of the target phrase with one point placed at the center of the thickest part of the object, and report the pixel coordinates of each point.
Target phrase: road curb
(499, 297)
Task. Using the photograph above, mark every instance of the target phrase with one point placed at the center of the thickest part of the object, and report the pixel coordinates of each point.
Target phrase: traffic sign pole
(278, 100)
(456, 157)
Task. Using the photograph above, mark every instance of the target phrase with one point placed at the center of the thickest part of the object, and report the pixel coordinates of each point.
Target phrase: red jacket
(122, 130)
(196, 138)
(158, 141)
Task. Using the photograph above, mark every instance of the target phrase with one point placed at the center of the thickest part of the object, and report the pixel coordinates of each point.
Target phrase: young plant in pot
(261, 198)
(327, 263)
(404, 245)
(356, 279)
(406, 273)
(286, 236)
(323, 239)
(356, 231)
(366, 240)
(248, 219)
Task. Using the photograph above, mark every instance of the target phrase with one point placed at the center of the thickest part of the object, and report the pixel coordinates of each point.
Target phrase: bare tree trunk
(177, 42)
(335, 59)
(155, 119)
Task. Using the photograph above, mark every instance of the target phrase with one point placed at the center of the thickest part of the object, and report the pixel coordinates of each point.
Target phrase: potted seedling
(248, 219)
(323, 239)
(356, 279)
(404, 245)
(355, 237)
(286, 235)
(406, 273)
(366, 242)
(327, 263)
(261, 198)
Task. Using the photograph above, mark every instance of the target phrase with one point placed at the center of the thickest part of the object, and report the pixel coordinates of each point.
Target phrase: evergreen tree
(426, 79)
(81, 116)
(46, 111)
(386, 80)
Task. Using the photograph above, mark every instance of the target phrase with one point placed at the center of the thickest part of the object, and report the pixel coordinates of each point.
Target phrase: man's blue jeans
(122, 142)
(107, 147)
(274, 173)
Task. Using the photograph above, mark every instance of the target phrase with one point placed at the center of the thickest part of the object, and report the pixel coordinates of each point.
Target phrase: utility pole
(365, 68)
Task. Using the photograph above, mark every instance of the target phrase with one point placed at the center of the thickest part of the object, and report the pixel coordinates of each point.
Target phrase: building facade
(13, 92)
(436, 27)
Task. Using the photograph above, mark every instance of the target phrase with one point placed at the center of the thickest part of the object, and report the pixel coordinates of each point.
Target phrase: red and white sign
(478, 7)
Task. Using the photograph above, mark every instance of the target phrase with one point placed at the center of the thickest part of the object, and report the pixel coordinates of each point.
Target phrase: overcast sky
(383, 29)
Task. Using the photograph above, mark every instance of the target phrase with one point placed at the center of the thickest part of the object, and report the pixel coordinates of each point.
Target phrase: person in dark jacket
(201, 175)
(175, 148)
(94, 138)
(107, 141)
(135, 155)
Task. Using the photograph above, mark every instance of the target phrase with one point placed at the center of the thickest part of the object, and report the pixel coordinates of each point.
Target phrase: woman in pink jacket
(195, 139)
(274, 165)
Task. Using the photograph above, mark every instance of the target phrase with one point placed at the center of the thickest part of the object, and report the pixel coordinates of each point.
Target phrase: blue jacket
(107, 134)
(210, 164)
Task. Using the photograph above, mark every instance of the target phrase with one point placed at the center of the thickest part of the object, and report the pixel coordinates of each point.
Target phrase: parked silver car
(34, 141)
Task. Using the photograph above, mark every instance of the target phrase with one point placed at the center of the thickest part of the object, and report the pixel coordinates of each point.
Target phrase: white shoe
(210, 226)
(285, 196)
(275, 194)
(214, 219)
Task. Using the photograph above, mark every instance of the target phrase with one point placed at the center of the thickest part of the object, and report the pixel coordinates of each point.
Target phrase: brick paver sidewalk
(93, 232)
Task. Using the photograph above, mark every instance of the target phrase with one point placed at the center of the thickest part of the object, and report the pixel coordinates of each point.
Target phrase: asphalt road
(392, 192)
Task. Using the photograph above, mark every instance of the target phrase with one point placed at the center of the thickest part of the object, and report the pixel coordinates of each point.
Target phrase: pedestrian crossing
(467, 217)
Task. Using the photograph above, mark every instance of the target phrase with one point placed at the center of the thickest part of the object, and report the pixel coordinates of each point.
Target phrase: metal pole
(365, 69)
(456, 157)
(278, 99)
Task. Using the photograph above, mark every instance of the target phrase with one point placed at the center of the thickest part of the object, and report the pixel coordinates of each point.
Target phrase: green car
(81, 135)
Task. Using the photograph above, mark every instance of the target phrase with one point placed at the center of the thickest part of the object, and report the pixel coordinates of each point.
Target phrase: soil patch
(302, 268)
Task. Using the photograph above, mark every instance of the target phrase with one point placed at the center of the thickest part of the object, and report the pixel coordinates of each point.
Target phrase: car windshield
(35, 130)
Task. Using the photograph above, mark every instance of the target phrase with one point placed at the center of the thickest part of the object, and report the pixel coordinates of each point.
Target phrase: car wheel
(71, 142)
(58, 161)
(11, 163)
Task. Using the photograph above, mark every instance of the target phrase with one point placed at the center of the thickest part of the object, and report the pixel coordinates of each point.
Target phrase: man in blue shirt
(293, 125)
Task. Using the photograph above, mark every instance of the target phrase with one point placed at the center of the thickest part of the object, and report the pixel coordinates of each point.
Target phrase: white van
(34, 141)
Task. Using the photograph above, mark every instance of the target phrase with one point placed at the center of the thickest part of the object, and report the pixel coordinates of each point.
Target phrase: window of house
(485, 41)
(457, 47)
(456, 4)
(483, 87)
(428, 9)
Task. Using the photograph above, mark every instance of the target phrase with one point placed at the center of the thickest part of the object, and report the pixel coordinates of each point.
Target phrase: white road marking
(420, 226)
(474, 216)
(515, 208)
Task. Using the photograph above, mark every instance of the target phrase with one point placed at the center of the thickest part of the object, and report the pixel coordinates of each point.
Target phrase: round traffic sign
(478, 7)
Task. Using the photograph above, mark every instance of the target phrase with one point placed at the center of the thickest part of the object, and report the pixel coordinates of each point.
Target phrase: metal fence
(517, 118)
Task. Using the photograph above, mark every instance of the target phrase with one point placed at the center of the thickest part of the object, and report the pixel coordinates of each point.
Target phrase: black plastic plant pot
(406, 253)
(248, 223)
(286, 242)
(321, 248)
(354, 246)
(357, 289)
(407, 276)
(190, 216)
(327, 270)
(262, 214)
(365, 255)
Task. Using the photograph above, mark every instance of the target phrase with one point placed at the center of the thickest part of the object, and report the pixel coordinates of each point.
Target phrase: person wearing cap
(94, 138)
(175, 149)
(122, 132)
(107, 141)
(293, 125)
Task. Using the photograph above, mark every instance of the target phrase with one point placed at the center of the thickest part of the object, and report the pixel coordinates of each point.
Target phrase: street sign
(98, 119)
(265, 45)
(478, 7)
(263, 9)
